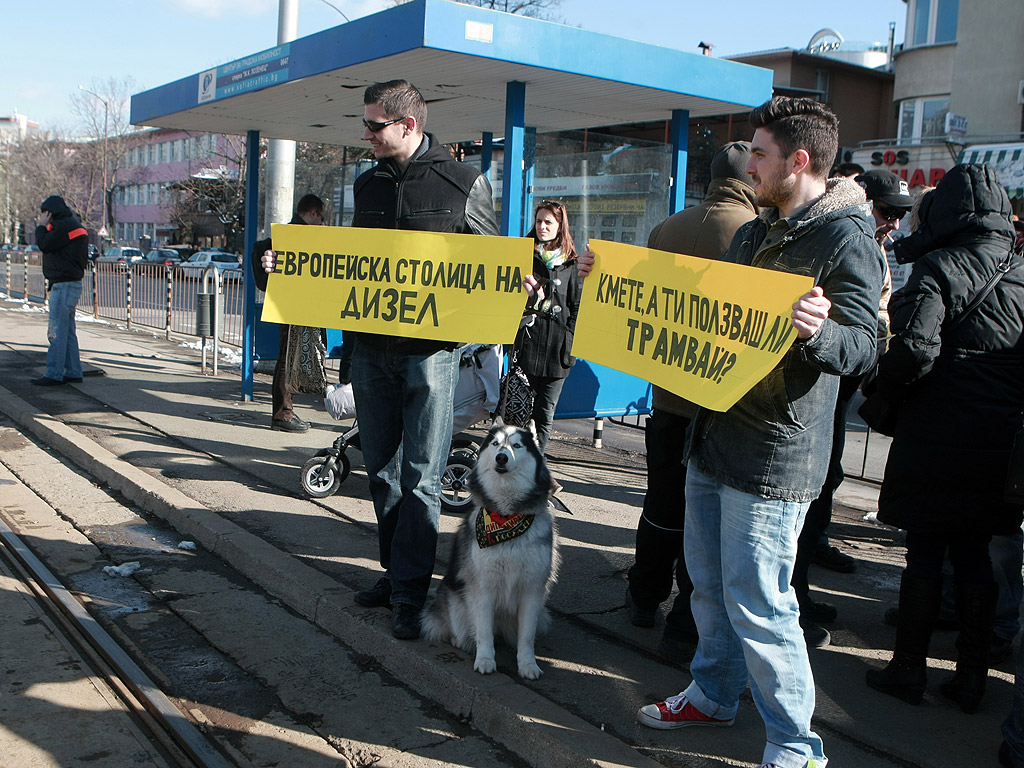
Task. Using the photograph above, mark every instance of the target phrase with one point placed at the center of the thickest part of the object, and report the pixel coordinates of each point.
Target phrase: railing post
(170, 301)
(128, 295)
(95, 291)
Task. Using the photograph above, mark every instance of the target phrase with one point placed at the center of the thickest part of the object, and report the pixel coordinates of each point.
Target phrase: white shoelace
(677, 702)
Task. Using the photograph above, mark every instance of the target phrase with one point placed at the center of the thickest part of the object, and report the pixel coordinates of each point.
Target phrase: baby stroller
(476, 397)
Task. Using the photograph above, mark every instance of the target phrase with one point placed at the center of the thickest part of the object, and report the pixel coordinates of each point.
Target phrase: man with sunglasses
(890, 201)
(404, 387)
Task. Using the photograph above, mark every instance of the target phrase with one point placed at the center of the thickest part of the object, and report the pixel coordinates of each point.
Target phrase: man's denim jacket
(775, 442)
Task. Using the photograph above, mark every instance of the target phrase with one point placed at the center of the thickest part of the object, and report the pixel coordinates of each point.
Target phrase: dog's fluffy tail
(435, 621)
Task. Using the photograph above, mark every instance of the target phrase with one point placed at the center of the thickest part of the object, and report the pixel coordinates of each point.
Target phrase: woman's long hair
(563, 239)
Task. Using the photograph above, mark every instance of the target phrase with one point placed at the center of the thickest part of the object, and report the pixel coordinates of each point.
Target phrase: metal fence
(156, 296)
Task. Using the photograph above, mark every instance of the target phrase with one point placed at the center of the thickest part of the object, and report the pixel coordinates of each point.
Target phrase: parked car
(122, 254)
(166, 256)
(220, 259)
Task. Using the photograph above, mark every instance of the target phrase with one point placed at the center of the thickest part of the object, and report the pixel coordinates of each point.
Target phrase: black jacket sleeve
(256, 259)
(480, 208)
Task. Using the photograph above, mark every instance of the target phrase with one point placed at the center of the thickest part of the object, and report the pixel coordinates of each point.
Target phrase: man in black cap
(65, 246)
(890, 200)
(704, 230)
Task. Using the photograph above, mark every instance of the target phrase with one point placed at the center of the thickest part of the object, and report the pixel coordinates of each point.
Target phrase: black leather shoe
(294, 424)
(818, 613)
(815, 635)
(46, 381)
(405, 623)
(72, 379)
(830, 557)
(377, 596)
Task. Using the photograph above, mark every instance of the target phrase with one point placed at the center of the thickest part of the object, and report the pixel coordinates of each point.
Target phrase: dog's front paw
(484, 665)
(529, 670)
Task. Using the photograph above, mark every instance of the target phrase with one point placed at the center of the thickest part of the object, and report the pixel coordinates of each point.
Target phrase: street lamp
(106, 117)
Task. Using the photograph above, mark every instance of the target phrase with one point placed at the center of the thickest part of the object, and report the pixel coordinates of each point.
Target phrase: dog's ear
(498, 421)
(532, 427)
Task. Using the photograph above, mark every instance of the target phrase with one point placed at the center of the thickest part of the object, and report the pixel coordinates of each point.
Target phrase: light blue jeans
(740, 551)
(404, 407)
(62, 357)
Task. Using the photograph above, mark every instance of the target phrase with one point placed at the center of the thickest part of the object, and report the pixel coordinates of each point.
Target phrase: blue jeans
(740, 549)
(62, 357)
(404, 407)
(1007, 554)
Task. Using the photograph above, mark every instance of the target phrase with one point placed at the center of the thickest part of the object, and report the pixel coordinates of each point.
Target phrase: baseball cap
(885, 187)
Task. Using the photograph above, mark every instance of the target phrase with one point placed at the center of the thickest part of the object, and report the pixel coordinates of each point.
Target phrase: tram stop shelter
(484, 74)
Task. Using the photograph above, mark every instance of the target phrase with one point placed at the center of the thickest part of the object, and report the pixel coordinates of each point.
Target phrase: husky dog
(505, 555)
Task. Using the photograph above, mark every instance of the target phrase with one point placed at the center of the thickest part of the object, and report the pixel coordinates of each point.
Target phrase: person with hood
(65, 246)
(953, 382)
(753, 470)
(704, 230)
(310, 210)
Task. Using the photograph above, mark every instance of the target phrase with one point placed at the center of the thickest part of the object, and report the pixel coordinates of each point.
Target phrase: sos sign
(901, 157)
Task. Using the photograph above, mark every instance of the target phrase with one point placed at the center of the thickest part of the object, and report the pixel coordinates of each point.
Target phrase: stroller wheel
(455, 495)
(320, 482)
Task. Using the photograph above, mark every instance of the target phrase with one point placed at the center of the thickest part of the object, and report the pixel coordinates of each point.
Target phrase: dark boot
(976, 609)
(904, 677)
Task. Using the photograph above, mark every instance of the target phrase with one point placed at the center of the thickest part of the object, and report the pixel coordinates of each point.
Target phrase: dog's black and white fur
(501, 588)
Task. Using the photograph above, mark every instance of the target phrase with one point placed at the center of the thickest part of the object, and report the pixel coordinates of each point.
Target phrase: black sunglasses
(549, 204)
(890, 214)
(374, 127)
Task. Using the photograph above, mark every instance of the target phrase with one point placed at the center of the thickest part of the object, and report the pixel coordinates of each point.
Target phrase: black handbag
(515, 401)
(1013, 488)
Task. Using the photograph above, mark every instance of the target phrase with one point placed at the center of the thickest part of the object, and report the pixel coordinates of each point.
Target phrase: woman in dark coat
(959, 393)
(544, 348)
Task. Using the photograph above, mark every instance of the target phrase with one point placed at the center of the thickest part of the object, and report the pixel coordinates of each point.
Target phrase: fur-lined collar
(840, 193)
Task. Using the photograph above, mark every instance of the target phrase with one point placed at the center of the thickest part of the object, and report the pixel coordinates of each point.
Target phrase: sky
(89, 42)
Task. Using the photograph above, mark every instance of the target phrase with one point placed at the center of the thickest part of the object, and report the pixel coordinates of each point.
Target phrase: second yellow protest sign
(427, 285)
(704, 330)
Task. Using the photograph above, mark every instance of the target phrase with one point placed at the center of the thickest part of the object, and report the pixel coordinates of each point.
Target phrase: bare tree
(211, 200)
(536, 8)
(103, 110)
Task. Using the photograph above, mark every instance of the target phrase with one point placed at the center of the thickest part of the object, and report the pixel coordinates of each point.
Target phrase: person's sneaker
(405, 623)
(294, 424)
(377, 596)
(815, 635)
(830, 557)
(72, 379)
(819, 613)
(676, 712)
(46, 381)
(639, 616)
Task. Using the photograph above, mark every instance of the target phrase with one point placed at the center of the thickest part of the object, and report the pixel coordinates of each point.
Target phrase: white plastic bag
(340, 402)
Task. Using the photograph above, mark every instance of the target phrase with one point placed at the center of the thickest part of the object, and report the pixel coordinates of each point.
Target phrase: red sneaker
(676, 712)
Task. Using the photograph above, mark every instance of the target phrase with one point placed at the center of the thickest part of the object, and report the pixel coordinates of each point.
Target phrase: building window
(821, 80)
(923, 119)
(932, 21)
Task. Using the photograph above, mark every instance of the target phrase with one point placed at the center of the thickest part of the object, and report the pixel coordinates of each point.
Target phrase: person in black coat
(956, 382)
(543, 348)
(65, 247)
(310, 210)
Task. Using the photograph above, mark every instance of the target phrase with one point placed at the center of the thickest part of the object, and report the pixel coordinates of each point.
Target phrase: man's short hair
(801, 124)
(309, 203)
(398, 98)
(848, 170)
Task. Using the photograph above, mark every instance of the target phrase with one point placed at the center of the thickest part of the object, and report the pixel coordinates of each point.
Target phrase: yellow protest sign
(426, 285)
(704, 330)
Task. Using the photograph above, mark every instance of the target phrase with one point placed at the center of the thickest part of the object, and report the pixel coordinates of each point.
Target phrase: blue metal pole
(530, 167)
(252, 198)
(486, 154)
(512, 183)
(680, 133)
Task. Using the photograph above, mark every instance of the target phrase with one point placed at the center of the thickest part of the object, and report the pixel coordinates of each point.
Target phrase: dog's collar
(494, 528)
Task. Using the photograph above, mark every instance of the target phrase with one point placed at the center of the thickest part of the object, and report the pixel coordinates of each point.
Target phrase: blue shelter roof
(460, 57)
